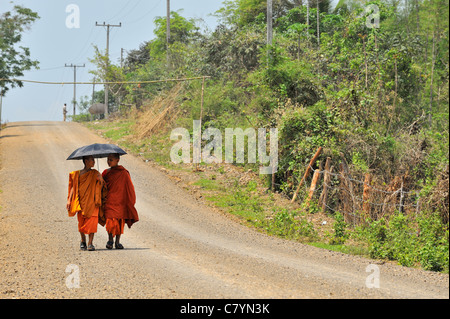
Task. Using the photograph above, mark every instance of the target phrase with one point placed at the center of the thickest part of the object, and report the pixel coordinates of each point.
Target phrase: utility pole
(121, 58)
(74, 83)
(269, 30)
(307, 20)
(318, 23)
(168, 33)
(107, 59)
(269, 23)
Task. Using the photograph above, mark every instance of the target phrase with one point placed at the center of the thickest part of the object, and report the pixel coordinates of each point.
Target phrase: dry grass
(159, 112)
(439, 197)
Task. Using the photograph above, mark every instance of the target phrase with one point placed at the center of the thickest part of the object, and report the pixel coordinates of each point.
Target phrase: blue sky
(54, 44)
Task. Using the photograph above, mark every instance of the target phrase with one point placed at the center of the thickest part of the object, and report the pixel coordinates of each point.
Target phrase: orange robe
(86, 200)
(120, 200)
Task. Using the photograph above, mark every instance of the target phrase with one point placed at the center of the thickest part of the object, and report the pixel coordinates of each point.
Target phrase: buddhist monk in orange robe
(120, 200)
(85, 200)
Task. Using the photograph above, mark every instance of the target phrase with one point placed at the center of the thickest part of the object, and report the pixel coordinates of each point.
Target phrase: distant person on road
(120, 200)
(64, 111)
(85, 200)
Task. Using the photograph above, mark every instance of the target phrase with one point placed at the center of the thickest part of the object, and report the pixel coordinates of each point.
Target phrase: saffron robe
(115, 226)
(120, 199)
(86, 200)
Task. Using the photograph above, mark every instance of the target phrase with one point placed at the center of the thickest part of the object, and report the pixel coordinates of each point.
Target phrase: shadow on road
(5, 136)
(30, 124)
(125, 249)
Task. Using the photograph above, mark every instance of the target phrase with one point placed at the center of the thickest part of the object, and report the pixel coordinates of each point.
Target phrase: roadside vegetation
(373, 97)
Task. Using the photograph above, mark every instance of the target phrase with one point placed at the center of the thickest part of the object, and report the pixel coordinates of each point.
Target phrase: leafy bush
(340, 227)
(424, 241)
(434, 248)
(290, 224)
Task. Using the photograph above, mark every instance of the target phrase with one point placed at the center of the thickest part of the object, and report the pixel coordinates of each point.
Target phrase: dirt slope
(179, 248)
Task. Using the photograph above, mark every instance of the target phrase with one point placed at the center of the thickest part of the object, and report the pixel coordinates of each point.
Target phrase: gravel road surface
(178, 249)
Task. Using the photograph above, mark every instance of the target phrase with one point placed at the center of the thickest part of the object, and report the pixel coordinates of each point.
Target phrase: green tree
(15, 60)
(108, 72)
(239, 13)
(137, 57)
(182, 31)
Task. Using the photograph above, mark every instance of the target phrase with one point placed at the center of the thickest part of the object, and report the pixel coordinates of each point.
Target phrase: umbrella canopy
(96, 150)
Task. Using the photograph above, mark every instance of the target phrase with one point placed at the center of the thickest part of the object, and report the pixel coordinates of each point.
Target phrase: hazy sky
(54, 44)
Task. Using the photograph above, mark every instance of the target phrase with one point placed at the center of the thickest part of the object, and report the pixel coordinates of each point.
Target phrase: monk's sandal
(91, 248)
(119, 246)
(109, 245)
(83, 246)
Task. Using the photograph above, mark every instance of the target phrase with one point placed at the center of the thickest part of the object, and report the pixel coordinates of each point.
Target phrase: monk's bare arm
(69, 198)
(100, 178)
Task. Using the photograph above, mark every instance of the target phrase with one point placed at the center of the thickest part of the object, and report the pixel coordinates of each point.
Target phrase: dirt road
(178, 249)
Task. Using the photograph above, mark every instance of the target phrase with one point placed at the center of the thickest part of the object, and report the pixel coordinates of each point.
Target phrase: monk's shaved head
(87, 158)
(113, 160)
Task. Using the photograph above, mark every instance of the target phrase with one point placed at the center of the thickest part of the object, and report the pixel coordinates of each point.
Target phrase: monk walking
(85, 200)
(119, 206)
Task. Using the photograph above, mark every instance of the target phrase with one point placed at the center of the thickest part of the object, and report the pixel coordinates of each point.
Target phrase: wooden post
(168, 33)
(417, 203)
(400, 209)
(326, 182)
(201, 103)
(366, 194)
(347, 187)
(308, 170)
(201, 114)
(273, 179)
(269, 31)
(343, 195)
(315, 179)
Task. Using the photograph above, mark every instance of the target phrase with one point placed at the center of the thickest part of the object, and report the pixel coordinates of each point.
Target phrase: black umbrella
(96, 150)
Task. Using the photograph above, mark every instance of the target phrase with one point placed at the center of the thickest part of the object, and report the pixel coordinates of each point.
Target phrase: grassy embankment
(233, 189)
(245, 196)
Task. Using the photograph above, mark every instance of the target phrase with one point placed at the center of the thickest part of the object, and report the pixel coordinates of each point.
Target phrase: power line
(83, 51)
(168, 32)
(122, 14)
(120, 11)
(112, 82)
(47, 69)
(145, 15)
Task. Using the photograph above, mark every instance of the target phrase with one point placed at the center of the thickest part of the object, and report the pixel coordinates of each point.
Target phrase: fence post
(348, 187)
(401, 198)
(366, 195)
(418, 203)
(326, 182)
(308, 170)
(314, 181)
